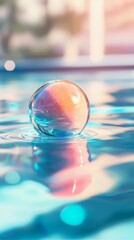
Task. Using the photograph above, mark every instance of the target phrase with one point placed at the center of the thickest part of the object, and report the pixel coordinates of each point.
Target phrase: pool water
(75, 188)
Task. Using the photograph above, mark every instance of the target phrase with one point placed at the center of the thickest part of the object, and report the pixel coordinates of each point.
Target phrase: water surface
(80, 188)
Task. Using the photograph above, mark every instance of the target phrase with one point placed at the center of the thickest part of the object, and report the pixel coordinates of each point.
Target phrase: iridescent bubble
(59, 108)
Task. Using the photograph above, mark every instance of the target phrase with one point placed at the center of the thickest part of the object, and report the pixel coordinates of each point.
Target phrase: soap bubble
(59, 108)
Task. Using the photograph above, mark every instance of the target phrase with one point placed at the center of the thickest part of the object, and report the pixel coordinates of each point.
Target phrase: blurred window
(66, 28)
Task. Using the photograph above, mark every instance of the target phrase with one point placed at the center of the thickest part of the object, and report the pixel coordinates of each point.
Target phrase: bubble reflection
(60, 167)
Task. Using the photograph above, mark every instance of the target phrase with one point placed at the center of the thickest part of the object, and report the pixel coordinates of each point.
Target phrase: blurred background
(65, 28)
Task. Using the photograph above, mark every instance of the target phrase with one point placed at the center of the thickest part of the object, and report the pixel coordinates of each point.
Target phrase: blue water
(77, 188)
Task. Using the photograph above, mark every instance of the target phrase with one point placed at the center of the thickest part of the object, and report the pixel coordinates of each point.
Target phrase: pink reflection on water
(62, 167)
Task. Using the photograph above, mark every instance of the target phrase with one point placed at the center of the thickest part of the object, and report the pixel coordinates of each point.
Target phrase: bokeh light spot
(73, 215)
(12, 177)
(9, 65)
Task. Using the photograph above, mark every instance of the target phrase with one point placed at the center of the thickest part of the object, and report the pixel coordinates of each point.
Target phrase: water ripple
(28, 134)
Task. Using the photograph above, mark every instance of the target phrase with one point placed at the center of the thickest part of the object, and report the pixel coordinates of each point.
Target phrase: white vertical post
(97, 30)
(71, 52)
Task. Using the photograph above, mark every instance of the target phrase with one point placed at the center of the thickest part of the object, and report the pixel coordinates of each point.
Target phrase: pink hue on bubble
(59, 108)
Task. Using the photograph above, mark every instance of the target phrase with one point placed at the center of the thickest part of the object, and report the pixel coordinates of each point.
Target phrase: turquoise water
(78, 188)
